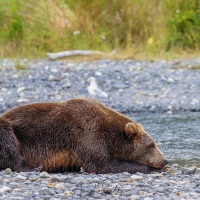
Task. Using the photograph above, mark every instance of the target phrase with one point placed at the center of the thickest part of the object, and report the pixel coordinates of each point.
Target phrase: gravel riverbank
(132, 86)
(137, 186)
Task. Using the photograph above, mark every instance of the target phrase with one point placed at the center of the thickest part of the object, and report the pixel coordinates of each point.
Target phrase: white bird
(94, 90)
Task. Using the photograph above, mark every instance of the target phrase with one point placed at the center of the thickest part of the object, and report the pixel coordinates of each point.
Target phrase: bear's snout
(166, 162)
(161, 165)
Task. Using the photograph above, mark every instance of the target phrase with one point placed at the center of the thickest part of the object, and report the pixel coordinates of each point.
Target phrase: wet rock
(98, 73)
(197, 190)
(55, 179)
(156, 175)
(44, 175)
(189, 170)
(148, 198)
(5, 189)
(198, 170)
(20, 177)
(60, 186)
(8, 171)
(66, 85)
(14, 185)
(126, 173)
(136, 177)
(46, 191)
(120, 85)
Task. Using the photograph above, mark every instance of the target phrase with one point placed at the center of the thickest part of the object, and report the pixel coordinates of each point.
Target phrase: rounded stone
(55, 179)
(44, 175)
(5, 189)
(8, 171)
(189, 170)
(20, 177)
(136, 177)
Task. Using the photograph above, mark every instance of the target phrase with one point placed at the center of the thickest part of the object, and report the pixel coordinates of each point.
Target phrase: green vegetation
(19, 66)
(132, 27)
(194, 67)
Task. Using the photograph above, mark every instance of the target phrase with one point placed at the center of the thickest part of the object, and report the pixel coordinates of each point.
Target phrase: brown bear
(74, 134)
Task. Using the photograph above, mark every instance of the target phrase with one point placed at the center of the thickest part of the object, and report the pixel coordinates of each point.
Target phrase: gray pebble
(67, 85)
(55, 179)
(197, 190)
(46, 191)
(155, 175)
(8, 171)
(5, 189)
(160, 189)
(44, 175)
(189, 170)
(136, 177)
(198, 170)
(20, 177)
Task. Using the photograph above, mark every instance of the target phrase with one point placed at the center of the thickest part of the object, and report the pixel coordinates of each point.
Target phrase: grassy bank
(135, 28)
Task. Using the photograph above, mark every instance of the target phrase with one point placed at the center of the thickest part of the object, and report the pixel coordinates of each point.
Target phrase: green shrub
(33, 28)
(185, 26)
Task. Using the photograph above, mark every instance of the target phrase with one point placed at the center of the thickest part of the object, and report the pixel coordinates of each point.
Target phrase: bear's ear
(131, 130)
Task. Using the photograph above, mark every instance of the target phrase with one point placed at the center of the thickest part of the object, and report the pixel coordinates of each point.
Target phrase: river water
(177, 135)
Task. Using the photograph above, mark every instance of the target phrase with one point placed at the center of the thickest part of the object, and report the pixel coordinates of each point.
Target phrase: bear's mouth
(158, 166)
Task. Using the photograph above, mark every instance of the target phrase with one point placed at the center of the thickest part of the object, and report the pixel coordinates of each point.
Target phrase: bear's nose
(166, 162)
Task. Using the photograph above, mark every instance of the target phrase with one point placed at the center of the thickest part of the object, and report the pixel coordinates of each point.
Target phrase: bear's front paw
(26, 167)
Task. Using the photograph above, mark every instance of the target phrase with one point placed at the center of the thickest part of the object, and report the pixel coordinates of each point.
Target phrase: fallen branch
(73, 53)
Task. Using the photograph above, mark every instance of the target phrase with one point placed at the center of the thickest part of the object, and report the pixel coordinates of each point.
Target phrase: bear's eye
(151, 146)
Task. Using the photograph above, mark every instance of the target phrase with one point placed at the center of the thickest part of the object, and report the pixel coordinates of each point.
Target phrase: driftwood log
(73, 53)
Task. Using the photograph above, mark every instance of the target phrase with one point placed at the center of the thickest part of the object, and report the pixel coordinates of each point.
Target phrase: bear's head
(141, 147)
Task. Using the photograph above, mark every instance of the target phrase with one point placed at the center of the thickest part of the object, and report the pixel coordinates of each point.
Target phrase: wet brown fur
(73, 134)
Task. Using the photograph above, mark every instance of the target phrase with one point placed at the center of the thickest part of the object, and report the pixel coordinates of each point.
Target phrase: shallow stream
(177, 135)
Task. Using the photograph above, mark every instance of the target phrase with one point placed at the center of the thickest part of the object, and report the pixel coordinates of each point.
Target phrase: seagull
(94, 90)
